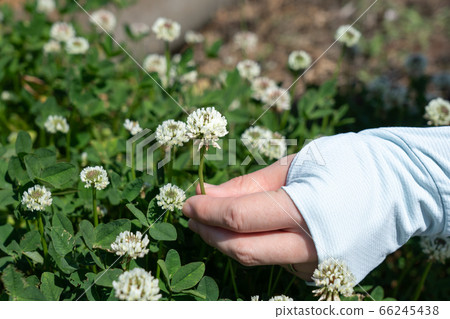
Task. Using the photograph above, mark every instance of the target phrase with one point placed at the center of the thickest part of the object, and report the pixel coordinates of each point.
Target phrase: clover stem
(167, 51)
(133, 164)
(94, 206)
(200, 170)
(269, 288)
(68, 146)
(422, 281)
(233, 281)
(170, 166)
(41, 231)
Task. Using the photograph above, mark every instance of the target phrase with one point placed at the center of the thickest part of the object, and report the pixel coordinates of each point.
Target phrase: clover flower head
(84, 159)
(281, 298)
(278, 97)
(56, 123)
(256, 137)
(245, 41)
(130, 244)
(276, 147)
(437, 112)
(62, 31)
(416, 64)
(137, 285)
(45, 6)
(248, 69)
(334, 279)
(260, 86)
(189, 77)
(104, 19)
(37, 198)
(347, 35)
(6, 96)
(170, 197)
(155, 63)
(94, 176)
(437, 248)
(139, 29)
(172, 133)
(206, 125)
(254, 298)
(299, 60)
(52, 46)
(132, 126)
(166, 29)
(77, 45)
(193, 37)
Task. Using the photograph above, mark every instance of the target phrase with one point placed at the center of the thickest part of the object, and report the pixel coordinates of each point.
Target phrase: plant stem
(233, 281)
(41, 231)
(422, 281)
(284, 119)
(200, 170)
(269, 288)
(277, 278)
(68, 146)
(167, 51)
(94, 206)
(170, 166)
(289, 285)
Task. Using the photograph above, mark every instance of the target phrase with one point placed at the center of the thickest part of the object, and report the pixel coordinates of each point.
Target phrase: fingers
(265, 248)
(263, 211)
(270, 178)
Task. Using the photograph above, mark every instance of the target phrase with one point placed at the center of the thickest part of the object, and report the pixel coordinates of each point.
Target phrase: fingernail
(187, 209)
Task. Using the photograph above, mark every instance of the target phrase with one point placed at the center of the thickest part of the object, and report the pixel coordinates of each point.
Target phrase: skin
(251, 219)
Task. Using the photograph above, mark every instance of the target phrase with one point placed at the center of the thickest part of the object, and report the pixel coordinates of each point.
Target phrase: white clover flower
(206, 125)
(172, 133)
(132, 245)
(137, 285)
(45, 6)
(52, 46)
(299, 60)
(132, 126)
(278, 97)
(437, 248)
(437, 112)
(348, 37)
(56, 123)
(37, 198)
(254, 298)
(139, 29)
(248, 69)
(281, 298)
(155, 63)
(167, 81)
(275, 147)
(193, 37)
(170, 197)
(234, 105)
(94, 176)
(84, 159)
(104, 19)
(6, 96)
(77, 45)
(189, 77)
(260, 85)
(62, 31)
(256, 137)
(334, 278)
(246, 41)
(166, 29)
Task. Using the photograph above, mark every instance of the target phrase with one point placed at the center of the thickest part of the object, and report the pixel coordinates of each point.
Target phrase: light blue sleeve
(363, 195)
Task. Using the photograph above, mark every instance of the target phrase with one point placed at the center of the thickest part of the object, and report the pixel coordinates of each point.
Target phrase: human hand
(251, 219)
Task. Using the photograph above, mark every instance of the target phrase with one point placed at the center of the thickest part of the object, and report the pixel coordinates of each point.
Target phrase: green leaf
(62, 234)
(209, 288)
(163, 231)
(87, 231)
(163, 267)
(106, 277)
(63, 263)
(213, 50)
(35, 163)
(17, 172)
(153, 211)
(23, 143)
(58, 174)
(49, 288)
(187, 276)
(31, 241)
(173, 262)
(18, 288)
(34, 256)
(132, 189)
(377, 293)
(5, 231)
(138, 214)
(105, 234)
